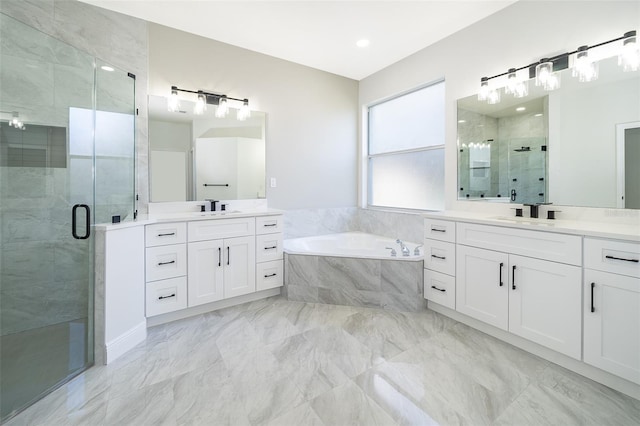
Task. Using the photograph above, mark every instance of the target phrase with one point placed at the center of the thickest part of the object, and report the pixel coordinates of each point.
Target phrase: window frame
(367, 156)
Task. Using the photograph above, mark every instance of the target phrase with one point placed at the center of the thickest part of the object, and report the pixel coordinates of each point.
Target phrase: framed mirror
(567, 146)
(195, 157)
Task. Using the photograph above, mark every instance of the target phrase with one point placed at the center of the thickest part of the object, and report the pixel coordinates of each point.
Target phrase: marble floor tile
(283, 363)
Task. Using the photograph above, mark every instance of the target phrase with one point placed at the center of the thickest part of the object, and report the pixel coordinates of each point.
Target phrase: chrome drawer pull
(166, 297)
(271, 248)
(271, 224)
(166, 235)
(438, 257)
(166, 263)
(501, 266)
(438, 230)
(439, 289)
(271, 275)
(622, 258)
(593, 308)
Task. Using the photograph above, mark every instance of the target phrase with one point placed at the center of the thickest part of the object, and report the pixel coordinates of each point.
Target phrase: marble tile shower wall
(49, 289)
(114, 38)
(309, 222)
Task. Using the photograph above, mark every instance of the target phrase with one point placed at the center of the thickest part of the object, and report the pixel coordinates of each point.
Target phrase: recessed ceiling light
(520, 109)
(106, 68)
(538, 115)
(362, 43)
(462, 121)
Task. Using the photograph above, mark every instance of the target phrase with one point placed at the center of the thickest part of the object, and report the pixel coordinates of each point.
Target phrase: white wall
(515, 36)
(311, 115)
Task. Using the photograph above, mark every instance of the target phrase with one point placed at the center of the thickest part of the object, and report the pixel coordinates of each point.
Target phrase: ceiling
(318, 34)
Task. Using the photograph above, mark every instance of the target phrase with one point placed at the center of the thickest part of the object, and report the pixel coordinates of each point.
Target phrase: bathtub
(353, 269)
(351, 244)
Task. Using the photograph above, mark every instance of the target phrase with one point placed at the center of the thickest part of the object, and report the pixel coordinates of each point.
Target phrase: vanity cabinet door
(545, 303)
(239, 266)
(612, 323)
(206, 266)
(482, 285)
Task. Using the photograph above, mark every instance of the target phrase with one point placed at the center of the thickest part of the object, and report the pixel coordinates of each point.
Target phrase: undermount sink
(526, 220)
(219, 213)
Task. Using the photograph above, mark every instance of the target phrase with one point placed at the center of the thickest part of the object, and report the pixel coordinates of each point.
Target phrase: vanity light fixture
(201, 104)
(223, 107)
(15, 121)
(546, 71)
(629, 58)
(174, 101)
(483, 93)
(207, 98)
(585, 68)
(545, 76)
(244, 112)
(517, 87)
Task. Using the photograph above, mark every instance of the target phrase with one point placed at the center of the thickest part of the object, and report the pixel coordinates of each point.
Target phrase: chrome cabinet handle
(270, 224)
(219, 256)
(439, 289)
(271, 248)
(593, 309)
(513, 277)
(438, 230)
(270, 275)
(166, 263)
(438, 257)
(166, 235)
(501, 266)
(228, 255)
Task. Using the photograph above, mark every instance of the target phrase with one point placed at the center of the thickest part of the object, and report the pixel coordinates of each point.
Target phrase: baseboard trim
(593, 373)
(125, 342)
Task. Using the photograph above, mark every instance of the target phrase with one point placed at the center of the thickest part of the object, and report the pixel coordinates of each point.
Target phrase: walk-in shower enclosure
(66, 162)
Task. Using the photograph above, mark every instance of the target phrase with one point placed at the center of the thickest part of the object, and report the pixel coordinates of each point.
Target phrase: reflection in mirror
(561, 149)
(195, 157)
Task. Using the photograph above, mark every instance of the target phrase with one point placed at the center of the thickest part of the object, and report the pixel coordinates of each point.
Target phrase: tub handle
(416, 251)
(393, 251)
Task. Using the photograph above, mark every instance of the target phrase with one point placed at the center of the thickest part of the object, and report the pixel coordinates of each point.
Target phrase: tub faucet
(416, 251)
(393, 251)
(405, 250)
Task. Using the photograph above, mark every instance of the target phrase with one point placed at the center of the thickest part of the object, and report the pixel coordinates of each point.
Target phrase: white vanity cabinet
(222, 259)
(440, 262)
(508, 278)
(269, 252)
(165, 268)
(612, 307)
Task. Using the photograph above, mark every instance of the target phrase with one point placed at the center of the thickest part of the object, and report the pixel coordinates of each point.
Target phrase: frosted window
(414, 120)
(406, 151)
(412, 180)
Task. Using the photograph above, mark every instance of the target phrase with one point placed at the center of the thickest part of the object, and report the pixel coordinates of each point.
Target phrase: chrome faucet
(213, 203)
(405, 250)
(416, 251)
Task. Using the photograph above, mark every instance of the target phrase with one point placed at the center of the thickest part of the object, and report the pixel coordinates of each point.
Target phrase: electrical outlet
(273, 183)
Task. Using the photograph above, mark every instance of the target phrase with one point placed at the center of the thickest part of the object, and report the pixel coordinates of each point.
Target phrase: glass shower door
(46, 252)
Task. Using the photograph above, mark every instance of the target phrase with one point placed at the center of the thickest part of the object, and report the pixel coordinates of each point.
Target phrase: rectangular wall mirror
(567, 146)
(195, 157)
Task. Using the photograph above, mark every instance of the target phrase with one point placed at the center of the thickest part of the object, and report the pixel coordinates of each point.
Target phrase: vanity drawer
(551, 246)
(166, 296)
(269, 275)
(166, 262)
(202, 230)
(162, 234)
(440, 256)
(618, 257)
(442, 230)
(269, 224)
(268, 247)
(440, 288)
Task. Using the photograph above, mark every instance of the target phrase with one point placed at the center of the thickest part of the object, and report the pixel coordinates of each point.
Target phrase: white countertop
(148, 219)
(620, 231)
